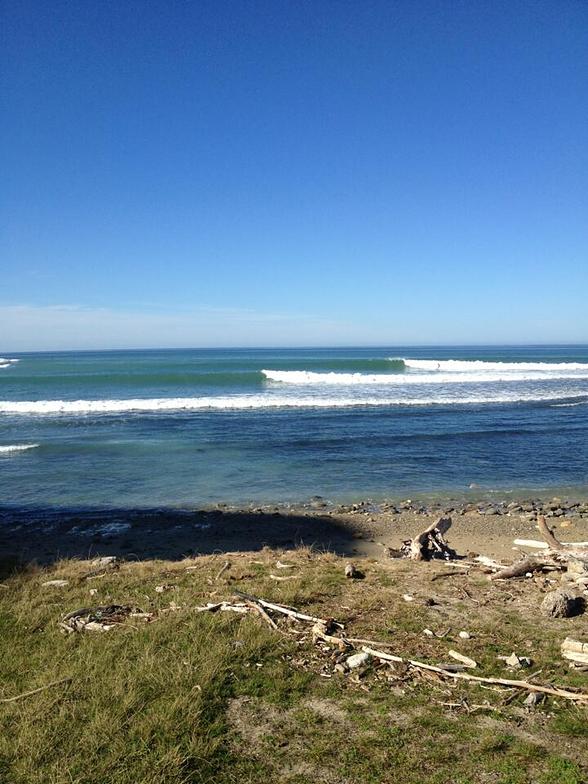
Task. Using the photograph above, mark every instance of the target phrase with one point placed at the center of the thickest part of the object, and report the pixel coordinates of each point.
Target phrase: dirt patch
(327, 709)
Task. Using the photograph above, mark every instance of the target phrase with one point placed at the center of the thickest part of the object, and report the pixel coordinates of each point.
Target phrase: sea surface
(189, 428)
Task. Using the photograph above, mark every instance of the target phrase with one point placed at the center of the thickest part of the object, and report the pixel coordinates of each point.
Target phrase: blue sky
(293, 173)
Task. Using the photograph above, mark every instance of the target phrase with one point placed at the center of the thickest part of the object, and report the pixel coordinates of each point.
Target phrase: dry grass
(195, 697)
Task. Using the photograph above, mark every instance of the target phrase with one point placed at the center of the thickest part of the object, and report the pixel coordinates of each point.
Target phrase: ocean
(191, 428)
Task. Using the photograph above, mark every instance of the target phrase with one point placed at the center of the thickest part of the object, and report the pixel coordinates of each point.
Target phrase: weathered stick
(284, 578)
(35, 691)
(279, 608)
(224, 606)
(262, 613)
(553, 691)
(222, 570)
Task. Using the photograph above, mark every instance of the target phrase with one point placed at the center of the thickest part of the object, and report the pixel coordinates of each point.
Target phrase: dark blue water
(186, 428)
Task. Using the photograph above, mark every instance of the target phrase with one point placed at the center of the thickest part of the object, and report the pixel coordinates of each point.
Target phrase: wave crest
(481, 366)
(301, 377)
(4, 450)
(264, 401)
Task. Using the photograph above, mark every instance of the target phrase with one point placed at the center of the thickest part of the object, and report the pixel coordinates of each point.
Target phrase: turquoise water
(197, 427)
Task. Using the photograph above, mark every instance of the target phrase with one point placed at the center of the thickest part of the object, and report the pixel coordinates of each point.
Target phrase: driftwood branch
(262, 613)
(35, 691)
(580, 697)
(547, 534)
(280, 608)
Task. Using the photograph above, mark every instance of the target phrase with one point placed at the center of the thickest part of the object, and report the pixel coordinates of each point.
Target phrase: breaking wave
(6, 363)
(4, 450)
(481, 366)
(447, 377)
(266, 401)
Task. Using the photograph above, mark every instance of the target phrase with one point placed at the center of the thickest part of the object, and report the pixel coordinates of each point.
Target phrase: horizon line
(295, 348)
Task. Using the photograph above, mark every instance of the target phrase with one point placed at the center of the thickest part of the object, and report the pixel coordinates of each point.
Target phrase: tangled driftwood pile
(354, 653)
(555, 556)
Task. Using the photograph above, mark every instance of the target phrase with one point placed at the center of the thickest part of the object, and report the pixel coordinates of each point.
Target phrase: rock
(56, 583)
(532, 699)
(352, 572)
(562, 604)
(357, 660)
(465, 635)
(105, 560)
(515, 662)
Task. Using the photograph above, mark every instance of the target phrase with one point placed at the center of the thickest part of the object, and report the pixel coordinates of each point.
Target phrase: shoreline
(364, 529)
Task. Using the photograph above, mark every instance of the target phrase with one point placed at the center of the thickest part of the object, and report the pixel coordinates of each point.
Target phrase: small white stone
(357, 660)
(465, 635)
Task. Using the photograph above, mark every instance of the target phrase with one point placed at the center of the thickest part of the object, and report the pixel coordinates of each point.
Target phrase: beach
(365, 529)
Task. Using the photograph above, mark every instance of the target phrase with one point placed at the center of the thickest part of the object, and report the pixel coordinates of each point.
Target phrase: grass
(196, 697)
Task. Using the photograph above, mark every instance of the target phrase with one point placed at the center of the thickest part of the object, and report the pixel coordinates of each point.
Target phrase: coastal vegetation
(177, 695)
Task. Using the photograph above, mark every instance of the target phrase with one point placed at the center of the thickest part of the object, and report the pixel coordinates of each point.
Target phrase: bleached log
(431, 540)
(574, 650)
(517, 570)
(581, 697)
(537, 545)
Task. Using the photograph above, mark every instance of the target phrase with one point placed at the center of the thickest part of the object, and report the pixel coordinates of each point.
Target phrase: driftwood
(283, 578)
(280, 608)
(574, 650)
(35, 691)
(570, 556)
(262, 613)
(465, 660)
(222, 570)
(224, 607)
(559, 549)
(100, 619)
(518, 569)
(554, 691)
(430, 543)
(536, 544)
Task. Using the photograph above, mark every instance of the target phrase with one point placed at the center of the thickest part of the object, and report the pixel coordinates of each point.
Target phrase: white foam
(265, 401)
(302, 377)
(16, 448)
(480, 366)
